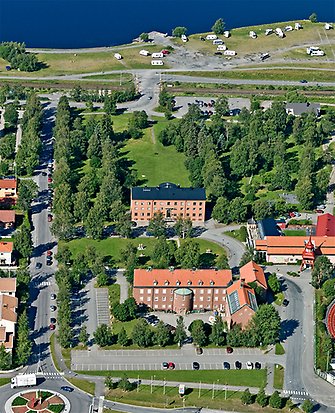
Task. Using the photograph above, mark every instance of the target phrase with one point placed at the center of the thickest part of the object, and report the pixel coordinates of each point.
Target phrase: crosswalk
(295, 392)
(51, 376)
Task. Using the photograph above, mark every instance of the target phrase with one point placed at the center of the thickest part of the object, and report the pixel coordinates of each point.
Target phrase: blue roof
(168, 191)
(268, 228)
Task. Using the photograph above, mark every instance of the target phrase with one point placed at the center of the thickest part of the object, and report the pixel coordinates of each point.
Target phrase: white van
(222, 47)
(117, 56)
(158, 55)
(229, 53)
(157, 62)
(144, 52)
(211, 37)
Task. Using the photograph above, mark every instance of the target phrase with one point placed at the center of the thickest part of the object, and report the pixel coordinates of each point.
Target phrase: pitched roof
(252, 272)
(300, 108)
(6, 247)
(7, 215)
(182, 278)
(8, 285)
(325, 225)
(167, 191)
(295, 245)
(7, 183)
(239, 295)
(8, 307)
(268, 227)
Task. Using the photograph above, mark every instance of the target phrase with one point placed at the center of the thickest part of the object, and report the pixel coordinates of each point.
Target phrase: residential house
(6, 250)
(253, 273)
(8, 312)
(169, 199)
(8, 188)
(297, 109)
(7, 218)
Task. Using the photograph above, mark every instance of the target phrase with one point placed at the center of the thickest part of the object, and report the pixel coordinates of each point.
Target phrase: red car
(319, 211)
(49, 253)
(52, 326)
(49, 179)
(171, 365)
(165, 52)
(49, 217)
(229, 350)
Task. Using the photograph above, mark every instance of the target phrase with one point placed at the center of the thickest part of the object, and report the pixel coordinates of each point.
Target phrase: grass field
(85, 385)
(4, 380)
(278, 380)
(68, 63)
(112, 247)
(294, 232)
(154, 162)
(252, 378)
(279, 350)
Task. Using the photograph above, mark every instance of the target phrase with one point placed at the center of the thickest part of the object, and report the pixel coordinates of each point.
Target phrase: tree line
(15, 53)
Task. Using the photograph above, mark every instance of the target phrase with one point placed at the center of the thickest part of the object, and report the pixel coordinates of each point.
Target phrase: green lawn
(85, 385)
(252, 378)
(4, 380)
(279, 349)
(53, 339)
(294, 232)
(114, 294)
(278, 380)
(154, 162)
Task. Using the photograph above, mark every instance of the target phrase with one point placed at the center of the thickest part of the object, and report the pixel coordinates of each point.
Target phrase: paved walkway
(124, 286)
(102, 303)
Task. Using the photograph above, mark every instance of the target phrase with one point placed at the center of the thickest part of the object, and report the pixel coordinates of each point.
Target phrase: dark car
(195, 365)
(303, 81)
(38, 265)
(49, 261)
(67, 388)
(218, 53)
(165, 365)
(229, 350)
(52, 320)
(226, 365)
(188, 340)
(285, 302)
(49, 217)
(53, 308)
(198, 350)
(238, 365)
(258, 365)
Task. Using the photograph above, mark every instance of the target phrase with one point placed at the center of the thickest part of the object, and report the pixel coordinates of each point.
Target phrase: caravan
(229, 53)
(252, 34)
(117, 56)
(157, 62)
(217, 41)
(211, 37)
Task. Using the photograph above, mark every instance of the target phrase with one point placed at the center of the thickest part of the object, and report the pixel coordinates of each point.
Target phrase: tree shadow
(287, 328)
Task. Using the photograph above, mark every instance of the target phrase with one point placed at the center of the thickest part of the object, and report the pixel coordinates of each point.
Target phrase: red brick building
(182, 290)
(169, 199)
(253, 273)
(241, 304)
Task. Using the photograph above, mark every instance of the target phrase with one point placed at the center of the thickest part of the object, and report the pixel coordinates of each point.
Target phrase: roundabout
(37, 401)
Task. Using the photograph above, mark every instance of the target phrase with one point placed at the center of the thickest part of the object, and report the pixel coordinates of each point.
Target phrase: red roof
(7, 215)
(325, 225)
(182, 277)
(330, 320)
(7, 183)
(252, 272)
(244, 294)
(6, 247)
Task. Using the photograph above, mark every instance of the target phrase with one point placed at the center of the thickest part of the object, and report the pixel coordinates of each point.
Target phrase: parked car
(49, 253)
(195, 365)
(198, 350)
(188, 340)
(229, 350)
(250, 366)
(49, 179)
(238, 365)
(258, 365)
(226, 365)
(53, 308)
(52, 326)
(53, 320)
(53, 296)
(303, 81)
(49, 218)
(38, 265)
(67, 388)
(171, 365)
(285, 302)
(165, 365)
(319, 211)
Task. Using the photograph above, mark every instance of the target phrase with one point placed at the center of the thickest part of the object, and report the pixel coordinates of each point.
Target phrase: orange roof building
(8, 188)
(7, 218)
(286, 250)
(252, 272)
(182, 290)
(325, 225)
(241, 304)
(8, 312)
(6, 249)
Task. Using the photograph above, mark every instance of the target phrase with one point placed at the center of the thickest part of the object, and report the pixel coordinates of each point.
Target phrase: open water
(89, 23)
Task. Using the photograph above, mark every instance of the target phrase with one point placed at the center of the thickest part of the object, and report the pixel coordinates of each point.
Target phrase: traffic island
(37, 401)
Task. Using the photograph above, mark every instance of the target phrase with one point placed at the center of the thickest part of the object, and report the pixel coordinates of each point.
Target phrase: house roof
(300, 108)
(268, 227)
(8, 285)
(6, 247)
(168, 191)
(325, 225)
(7, 183)
(182, 278)
(239, 295)
(8, 305)
(295, 245)
(252, 272)
(7, 215)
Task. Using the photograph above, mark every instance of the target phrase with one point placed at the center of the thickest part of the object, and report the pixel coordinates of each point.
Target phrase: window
(141, 291)
(168, 203)
(149, 299)
(171, 298)
(163, 306)
(208, 298)
(142, 214)
(136, 214)
(182, 203)
(136, 203)
(148, 209)
(201, 298)
(136, 208)
(155, 203)
(200, 203)
(142, 208)
(189, 203)
(176, 203)
(209, 291)
(161, 203)
(216, 291)
(148, 291)
(194, 203)
(156, 305)
(141, 298)
(148, 214)
(156, 299)
(164, 291)
(201, 306)
(193, 215)
(163, 298)
(169, 306)
(216, 298)
(149, 203)
(156, 291)
(201, 291)
(142, 203)
(195, 306)
(155, 208)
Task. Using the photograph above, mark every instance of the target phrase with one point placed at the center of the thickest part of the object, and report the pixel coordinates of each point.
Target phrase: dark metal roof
(268, 227)
(168, 191)
(300, 108)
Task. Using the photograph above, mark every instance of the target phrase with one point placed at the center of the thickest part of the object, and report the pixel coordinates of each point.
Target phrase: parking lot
(211, 359)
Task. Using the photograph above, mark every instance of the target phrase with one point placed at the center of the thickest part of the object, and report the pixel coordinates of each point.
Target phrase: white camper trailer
(253, 34)
(117, 56)
(157, 62)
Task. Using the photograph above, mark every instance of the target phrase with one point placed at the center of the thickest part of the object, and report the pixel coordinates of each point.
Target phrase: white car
(250, 366)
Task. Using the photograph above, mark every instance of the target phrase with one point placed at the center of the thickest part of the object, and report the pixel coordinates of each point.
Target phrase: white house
(6, 250)
(117, 56)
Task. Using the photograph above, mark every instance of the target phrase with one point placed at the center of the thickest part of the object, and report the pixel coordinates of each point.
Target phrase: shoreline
(157, 33)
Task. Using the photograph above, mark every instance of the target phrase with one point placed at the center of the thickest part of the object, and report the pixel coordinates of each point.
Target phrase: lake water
(88, 23)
